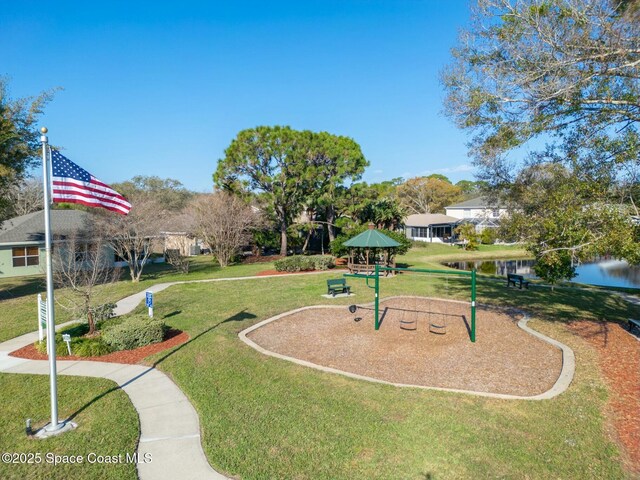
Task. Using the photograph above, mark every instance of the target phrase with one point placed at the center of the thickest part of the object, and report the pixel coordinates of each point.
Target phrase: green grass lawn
(18, 313)
(266, 418)
(18, 296)
(107, 425)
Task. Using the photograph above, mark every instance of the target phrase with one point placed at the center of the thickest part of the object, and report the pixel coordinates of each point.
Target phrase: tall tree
(26, 197)
(555, 69)
(133, 236)
(19, 139)
(336, 160)
(225, 223)
(385, 213)
(469, 188)
(427, 194)
(168, 192)
(82, 263)
(273, 161)
(564, 74)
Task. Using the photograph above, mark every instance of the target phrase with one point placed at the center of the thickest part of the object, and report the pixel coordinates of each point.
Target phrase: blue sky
(161, 88)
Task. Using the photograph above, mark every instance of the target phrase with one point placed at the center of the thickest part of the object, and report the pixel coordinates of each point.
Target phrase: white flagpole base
(62, 427)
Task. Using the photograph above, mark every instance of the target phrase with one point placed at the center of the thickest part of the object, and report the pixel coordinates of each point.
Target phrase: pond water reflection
(604, 272)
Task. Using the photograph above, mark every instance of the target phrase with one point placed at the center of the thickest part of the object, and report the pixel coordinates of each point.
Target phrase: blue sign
(149, 299)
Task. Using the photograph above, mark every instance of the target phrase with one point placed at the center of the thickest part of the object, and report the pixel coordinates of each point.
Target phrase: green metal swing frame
(376, 287)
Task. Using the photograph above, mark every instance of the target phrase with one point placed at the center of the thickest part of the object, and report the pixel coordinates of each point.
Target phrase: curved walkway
(169, 425)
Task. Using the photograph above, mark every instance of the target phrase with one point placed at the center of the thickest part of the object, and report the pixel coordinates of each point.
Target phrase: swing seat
(409, 324)
(439, 329)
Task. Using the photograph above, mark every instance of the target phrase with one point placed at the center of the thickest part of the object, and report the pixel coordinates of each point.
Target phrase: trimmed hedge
(301, 263)
(133, 333)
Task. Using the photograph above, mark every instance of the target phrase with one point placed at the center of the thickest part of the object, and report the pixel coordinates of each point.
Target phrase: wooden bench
(337, 285)
(634, 324)
(517, 280)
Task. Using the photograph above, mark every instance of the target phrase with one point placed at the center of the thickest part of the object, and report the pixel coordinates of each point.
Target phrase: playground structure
(505, 359)
(437, 327)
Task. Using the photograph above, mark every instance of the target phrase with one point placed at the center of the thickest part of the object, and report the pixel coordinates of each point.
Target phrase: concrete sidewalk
(169, 425)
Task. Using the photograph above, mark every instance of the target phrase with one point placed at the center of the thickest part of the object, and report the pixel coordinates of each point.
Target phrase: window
(26, 256)
(495, 213)
(420, 232)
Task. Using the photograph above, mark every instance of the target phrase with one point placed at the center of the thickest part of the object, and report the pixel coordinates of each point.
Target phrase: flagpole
(51, 328)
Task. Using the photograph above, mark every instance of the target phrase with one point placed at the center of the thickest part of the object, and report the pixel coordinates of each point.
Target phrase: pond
(604, 272)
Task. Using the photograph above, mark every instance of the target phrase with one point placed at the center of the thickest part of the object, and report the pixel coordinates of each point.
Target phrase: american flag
(73, 184)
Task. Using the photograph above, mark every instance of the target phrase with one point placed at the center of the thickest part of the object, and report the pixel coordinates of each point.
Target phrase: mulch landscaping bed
(619, 357)
(505, 359)
(173, 338)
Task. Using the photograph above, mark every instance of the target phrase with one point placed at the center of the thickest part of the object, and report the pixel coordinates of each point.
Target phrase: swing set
(376, 287)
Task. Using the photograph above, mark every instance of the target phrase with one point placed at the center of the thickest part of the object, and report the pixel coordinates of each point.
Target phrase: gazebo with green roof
(368, 249)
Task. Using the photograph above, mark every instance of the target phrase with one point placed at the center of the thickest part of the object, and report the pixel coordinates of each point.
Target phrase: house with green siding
(22, 249)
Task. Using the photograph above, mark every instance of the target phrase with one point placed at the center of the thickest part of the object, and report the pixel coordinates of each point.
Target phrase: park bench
(517, 280)
(337, 285)
(634, 324)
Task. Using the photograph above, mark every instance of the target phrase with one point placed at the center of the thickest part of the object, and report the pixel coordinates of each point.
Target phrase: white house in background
(475, 208)
(430, 227)
(436, 227)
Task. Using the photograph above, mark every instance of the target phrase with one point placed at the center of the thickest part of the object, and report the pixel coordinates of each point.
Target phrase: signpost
(149, 302)
(67, 339)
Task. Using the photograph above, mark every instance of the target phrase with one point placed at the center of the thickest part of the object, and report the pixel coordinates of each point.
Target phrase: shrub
(90, 347)
(296, 263)
(488, 236)
(178, 261)
(323, 262)
(103, 312)
(81, 347)
(61, 347)
(467, 233)
(301, 263)
(133, 333)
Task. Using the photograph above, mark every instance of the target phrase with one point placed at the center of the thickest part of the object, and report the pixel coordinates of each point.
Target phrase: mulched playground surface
(504, 359)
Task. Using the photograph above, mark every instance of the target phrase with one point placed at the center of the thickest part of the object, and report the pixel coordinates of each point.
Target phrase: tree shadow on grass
(238, 317)
(17, 287)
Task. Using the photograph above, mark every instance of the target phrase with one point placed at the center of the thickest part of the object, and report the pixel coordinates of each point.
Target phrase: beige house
(187, 244)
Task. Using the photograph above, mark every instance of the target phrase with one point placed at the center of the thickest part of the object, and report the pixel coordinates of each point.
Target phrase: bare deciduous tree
(133, 236)
(80, 264)
(26, 197)
(224, 221)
